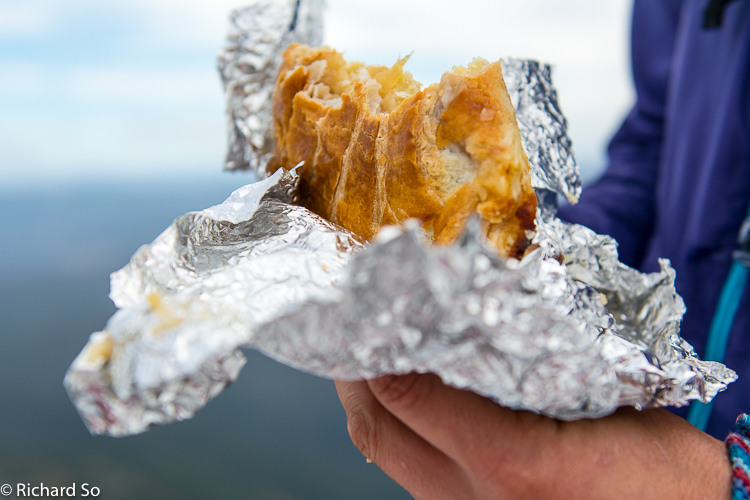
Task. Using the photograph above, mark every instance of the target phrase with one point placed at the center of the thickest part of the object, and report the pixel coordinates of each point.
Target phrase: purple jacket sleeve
(621, 202)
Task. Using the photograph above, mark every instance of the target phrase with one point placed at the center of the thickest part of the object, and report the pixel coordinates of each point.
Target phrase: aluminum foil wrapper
(189, 300)
(543, 130)
(260, 272)
(248, 66)
(568, 332)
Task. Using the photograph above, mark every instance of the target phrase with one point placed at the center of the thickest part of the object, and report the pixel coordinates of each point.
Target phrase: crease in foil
(543, 128)
(248, 64)
(193, 297)
(653, 363)
(478, 321)
(568, 332)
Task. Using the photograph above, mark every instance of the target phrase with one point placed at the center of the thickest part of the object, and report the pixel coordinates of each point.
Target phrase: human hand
(439, 442)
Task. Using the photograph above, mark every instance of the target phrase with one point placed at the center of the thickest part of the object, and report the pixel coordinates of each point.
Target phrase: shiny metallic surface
(197, 294)
(248, 65)
(258, 271)
(543, 127)
(655, 366)
(510, 331)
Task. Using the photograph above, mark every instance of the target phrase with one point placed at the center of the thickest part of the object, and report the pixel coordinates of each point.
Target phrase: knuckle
(491, 469)
(505, 475)
(405, 392)
(523, 464)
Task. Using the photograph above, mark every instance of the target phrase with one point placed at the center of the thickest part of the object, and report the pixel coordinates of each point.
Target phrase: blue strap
(721, 324)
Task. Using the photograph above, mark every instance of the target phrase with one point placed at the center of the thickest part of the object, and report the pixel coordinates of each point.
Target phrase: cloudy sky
(120, 89)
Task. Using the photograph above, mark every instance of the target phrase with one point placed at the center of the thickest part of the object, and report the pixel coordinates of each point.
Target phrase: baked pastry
(378, 150)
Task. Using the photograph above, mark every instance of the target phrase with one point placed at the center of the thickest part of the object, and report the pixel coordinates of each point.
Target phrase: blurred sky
(122, 89)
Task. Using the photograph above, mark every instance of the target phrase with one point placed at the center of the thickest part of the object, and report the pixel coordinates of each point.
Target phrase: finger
(416, 465)
(478, 434)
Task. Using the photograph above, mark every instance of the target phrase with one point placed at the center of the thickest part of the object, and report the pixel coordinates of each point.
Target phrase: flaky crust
(377, 150)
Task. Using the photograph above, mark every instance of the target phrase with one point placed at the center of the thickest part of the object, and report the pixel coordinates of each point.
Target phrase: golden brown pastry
(378, 150)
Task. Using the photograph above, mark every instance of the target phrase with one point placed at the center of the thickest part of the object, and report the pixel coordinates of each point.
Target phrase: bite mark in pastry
(378, 150)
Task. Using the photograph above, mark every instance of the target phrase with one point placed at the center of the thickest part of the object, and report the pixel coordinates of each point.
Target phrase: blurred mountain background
(112, 124)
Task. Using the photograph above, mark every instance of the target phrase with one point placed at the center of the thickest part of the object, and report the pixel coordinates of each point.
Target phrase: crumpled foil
(568, 332)
(543, 129)
(258, 34)
(189, 300)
